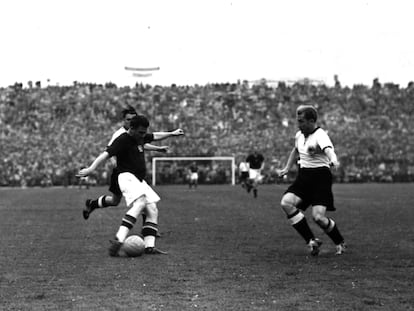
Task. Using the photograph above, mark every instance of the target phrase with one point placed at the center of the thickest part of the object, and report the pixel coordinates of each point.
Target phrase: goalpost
(155, 160)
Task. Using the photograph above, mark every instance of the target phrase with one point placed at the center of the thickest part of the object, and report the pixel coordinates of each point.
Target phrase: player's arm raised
(150, 147)
(291, 160)
(87, 170)
(164, 135)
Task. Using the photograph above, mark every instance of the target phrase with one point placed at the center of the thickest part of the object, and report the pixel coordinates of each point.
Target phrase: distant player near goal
(227, 167)
(256, 164)
(243, 173)
(193, 176)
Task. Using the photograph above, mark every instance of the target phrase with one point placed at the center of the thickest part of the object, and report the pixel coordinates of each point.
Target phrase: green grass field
(227, 251)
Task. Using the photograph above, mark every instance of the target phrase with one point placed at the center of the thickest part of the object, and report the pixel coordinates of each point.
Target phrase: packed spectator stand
(48, 132)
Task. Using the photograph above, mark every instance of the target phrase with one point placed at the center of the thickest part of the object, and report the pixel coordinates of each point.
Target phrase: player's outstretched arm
(164, 135)
(150, 147)
(87, 170)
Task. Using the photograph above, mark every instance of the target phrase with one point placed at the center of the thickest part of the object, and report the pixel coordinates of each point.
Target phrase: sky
(206, 41)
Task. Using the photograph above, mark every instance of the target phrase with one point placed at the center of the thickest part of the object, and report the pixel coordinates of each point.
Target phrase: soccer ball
(133, 246)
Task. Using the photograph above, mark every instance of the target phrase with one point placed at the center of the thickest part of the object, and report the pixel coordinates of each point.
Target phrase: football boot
(314, 246)
(114, 247)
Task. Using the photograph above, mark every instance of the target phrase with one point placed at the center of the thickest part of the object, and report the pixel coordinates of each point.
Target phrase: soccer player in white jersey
(139, 196)
(243, 173)
(114, 199)
(313, 184)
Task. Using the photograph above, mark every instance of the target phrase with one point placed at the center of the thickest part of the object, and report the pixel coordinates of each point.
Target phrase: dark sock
(333, 232)
(128, 221)
(99, 202)
(94, 204)
(149, 228)
(301, 225)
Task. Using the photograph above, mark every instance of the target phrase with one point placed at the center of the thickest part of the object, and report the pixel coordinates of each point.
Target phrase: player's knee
(287, 204)
(136, 207)
(152, 210)
(319, 217)
(285, 201)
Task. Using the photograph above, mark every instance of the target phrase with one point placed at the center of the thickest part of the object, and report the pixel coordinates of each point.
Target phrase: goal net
(211, 170)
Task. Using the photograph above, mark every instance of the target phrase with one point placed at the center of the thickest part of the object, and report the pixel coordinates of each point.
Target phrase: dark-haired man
(115, 197)
(128, 148)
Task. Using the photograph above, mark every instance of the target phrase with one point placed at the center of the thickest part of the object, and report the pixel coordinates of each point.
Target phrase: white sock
(149, 241)
(101, 201)
(122, 233)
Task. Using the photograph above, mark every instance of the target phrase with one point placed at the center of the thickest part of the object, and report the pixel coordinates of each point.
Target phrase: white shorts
(132, 189)
(254, 174)
(194, 176)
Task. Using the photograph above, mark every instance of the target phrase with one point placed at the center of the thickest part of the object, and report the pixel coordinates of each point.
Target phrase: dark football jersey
(255, 161)
(193, 168)
(129, 153)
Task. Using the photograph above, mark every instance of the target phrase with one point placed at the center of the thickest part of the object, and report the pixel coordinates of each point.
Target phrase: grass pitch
(227, 251)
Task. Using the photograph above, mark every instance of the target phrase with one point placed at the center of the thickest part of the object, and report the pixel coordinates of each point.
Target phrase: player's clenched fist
(178, 132)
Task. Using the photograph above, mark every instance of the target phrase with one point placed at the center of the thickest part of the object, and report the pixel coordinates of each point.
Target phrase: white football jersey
(244, 167)
(311, 149)
(115, 135)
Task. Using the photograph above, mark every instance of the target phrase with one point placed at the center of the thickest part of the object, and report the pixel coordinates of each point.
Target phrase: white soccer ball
(133, 246)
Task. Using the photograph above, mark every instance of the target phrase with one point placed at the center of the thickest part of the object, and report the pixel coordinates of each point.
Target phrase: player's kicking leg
(128, 222)
(140, 198)
(150, 229)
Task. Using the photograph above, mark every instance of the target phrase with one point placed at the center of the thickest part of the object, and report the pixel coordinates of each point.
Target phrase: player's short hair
(308, 111)
(128, 110)
(139, 120)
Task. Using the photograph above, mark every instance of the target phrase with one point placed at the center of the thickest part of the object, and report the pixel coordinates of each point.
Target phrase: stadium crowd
(48, 133)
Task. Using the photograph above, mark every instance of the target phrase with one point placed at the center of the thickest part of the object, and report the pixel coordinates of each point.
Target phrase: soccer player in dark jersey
(313, 184)
(139, 196)
(115, 197)
(256, 164)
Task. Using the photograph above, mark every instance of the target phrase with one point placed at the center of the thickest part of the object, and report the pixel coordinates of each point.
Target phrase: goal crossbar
(228, 158)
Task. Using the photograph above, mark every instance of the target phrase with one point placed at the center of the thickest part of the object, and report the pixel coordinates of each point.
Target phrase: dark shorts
(314, 187)
(114, 186)
(244, 176)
